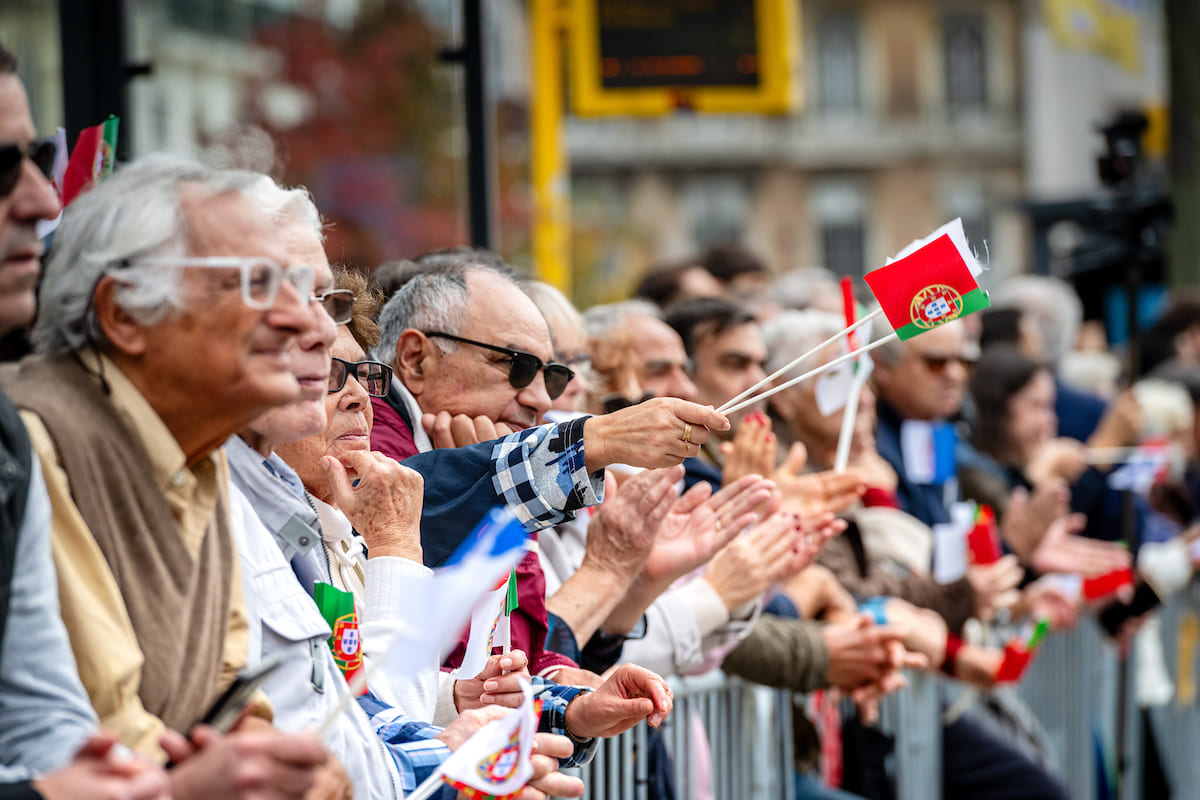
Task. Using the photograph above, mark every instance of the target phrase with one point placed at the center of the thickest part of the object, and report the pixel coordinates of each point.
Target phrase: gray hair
(555, 305)
(136, 212)
(432, 300)
(806, 287)
(281, 204)
(790, 334)
(1052, 305)
(602, 321)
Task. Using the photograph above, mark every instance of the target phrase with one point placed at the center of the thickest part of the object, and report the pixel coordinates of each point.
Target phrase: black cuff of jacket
(22, 790)
(571, 432)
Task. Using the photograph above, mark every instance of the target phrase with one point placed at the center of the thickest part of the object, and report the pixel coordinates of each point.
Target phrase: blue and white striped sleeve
(541, 474)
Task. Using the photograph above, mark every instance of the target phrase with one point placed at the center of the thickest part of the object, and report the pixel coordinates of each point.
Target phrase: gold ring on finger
(687, 433)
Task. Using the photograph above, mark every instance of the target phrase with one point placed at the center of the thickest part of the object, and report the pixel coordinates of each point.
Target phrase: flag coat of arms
(337, 607)
(930, 283)
(92, 158)
(494, 764)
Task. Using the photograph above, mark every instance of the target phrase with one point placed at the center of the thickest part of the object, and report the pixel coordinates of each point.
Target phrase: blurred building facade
(915, 112)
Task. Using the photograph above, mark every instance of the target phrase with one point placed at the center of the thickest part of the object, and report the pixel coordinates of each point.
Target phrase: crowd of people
(216, 428)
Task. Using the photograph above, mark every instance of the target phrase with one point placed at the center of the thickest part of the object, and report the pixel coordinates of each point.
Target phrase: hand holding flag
(930, 283)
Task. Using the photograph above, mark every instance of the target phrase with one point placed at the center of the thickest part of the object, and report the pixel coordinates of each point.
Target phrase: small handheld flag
(1109, 583)
(92, 159)
(983, 542)
(1019, 655)
(337, 607)
(494, 764)
(930, 283)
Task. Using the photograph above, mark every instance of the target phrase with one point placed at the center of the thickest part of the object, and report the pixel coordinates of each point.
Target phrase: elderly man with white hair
(167, 310)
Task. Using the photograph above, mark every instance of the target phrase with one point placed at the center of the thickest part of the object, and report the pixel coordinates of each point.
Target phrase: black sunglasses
(338, 304)
(12, 159)
(522, 367)
(374, 376)
(937, 363)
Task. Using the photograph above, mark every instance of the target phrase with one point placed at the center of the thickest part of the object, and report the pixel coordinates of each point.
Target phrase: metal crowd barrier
(727, 739)
(1073, 689)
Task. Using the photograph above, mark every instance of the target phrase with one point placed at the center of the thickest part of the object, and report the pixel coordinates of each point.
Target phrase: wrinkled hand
(1121, 423)
(995, 585)
(648, 434)
(699, 524)
(1061, 550)
(459, 430)
(1027, 518)
(104, 771)
(767, 553)
(547, 781)
(623, 530)
(1059, 459)
(262, 763)
(814, 494)
(630, 695)
(752, 451)
(384, 506)
(499, 683)
(573, 676)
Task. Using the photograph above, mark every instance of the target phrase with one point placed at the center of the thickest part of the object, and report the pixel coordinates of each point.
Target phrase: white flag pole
(811, 373)
(428, 788)
(355, 687)
(732, 404)
(846, 435)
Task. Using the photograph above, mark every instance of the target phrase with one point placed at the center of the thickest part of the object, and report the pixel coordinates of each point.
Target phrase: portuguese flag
(929, 285)
(92, 159)
(337, 607)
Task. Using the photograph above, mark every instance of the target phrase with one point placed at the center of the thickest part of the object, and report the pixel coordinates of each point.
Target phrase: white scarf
(346, 554)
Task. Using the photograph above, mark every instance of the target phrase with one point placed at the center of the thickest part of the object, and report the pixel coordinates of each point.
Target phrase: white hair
(433, 300)
(136, 212)
(281, 204)
(556, 306)
(1052, 305)
(790, 334)
(603, 320)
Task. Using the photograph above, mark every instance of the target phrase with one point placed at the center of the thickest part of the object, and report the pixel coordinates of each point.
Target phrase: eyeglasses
(12, 159)
(261, 277)
(374, 376)
(338, 304)
(522, 367)
(616, 402)
(937, 363)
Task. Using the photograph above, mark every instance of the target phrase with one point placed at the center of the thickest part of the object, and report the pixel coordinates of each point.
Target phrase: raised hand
(813, 494)
(630, 694)
(1061, 550)
(499, 683)
(772, 550)
(384, 506)
(752, 451)
(700, 523)
(649, 434)
(995, 585)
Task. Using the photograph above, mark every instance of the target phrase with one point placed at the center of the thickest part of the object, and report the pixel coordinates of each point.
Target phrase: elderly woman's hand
(384, 505)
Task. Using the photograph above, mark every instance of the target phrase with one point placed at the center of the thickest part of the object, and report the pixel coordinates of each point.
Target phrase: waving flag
(1019, 655)
(930, 283)
(983, 542)
(439, 615)
(1148, 465)
(337, 607)
(494, 764)
(92, 158)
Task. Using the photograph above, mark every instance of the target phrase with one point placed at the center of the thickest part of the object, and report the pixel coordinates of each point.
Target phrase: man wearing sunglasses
(923, 379)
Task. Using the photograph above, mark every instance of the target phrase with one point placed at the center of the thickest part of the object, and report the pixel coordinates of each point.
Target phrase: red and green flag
(92, 159)
(337, 607)
(1019, 655)
(931, 283)
(983, 541)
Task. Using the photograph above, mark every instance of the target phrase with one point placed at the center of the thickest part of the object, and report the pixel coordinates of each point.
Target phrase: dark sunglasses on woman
(374, 376)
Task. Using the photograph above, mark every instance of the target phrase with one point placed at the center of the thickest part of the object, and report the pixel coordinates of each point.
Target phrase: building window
(965, 52)
(842, 246)
(839, 207)
(837, 62)
(717, 207)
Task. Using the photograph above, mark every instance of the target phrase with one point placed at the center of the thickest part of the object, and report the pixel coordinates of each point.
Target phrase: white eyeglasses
(261, 277)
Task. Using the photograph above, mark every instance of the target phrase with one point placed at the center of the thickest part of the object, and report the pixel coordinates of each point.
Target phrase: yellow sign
(630, 57)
